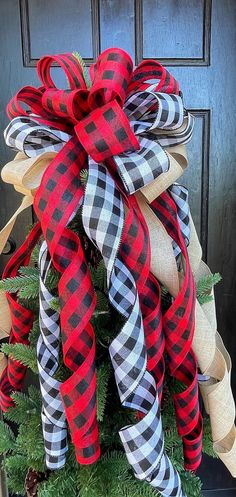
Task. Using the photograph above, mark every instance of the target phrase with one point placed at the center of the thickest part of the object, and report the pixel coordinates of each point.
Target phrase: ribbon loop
(68, 63)
(106, 132)
(110, 77)
(71, 105)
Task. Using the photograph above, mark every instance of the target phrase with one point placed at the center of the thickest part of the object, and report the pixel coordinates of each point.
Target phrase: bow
(130, 131)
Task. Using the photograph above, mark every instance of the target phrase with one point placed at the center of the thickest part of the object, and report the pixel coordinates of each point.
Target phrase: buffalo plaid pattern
(136, 256)
(59, 196)
(101, 129)
(48, 347)
(103, 220)
(22, 320)
(178, 323)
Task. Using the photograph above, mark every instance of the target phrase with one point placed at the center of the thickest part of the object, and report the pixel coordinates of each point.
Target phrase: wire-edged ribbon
(21, 321)
(215, 365)
(48, 349)
(144, 441)
(137, 130)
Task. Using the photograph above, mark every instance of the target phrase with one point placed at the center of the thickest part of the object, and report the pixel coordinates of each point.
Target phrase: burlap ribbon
(25, 175)
(213, 359)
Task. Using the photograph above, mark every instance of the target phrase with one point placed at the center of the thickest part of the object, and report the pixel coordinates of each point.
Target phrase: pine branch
(34, 333)
(35, 255)
(25, 354)
(16, 468)
(55, 304)
(25, 406)
(207, 443)
(7, 438)
(130, 487)
(102, 302)
(172, 439)
(84, 175)
(84, 68)
(191, 483)
(103, 374)
(29, 442)
(27, 286)
(27, 283)
(89, 481)
(99, 277)
(204, 287)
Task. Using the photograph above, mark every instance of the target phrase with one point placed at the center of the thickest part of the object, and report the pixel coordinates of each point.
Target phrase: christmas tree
(21, 438)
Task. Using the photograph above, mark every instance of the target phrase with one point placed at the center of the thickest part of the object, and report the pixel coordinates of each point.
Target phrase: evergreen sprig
(27, 283)
(25, 407)
(204, 287)
(84, 67)
(16, 468)
(7, 438)
(103, 374)
(25, 354)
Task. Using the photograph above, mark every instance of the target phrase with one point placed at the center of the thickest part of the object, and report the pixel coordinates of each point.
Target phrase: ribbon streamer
(214, 362)
(21, 321)
(53, 415)
(130, 134)
(135, 384)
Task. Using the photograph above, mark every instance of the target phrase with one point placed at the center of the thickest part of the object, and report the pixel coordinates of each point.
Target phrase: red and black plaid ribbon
(22, 320)
(99, 128)
(178, 323)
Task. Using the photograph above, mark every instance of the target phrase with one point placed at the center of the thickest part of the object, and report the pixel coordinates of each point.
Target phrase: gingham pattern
(138, 162)
(22, 320)
(27, 135)
(103, 132)
(135, 254)
(48, 347)
(180, 196)
(58, 197)
(142, 167)
(143, 442)
(165, 110)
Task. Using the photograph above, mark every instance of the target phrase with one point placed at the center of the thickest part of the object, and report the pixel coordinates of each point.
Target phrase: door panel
(197, 39)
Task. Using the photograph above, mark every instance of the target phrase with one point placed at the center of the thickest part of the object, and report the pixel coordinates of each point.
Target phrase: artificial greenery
(21, 440)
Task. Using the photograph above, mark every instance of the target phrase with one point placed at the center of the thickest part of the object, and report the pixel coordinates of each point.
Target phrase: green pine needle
(99, 276)
(207, 443)
(103, 374)
(25, 354)
(34, 333)
(16, 469)
(27, 283)
(55, 304)
(7, 438)
(84, 176)
(85, 69)
(204, 287)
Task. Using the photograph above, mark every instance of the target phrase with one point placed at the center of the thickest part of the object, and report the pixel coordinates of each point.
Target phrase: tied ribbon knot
(134, 123)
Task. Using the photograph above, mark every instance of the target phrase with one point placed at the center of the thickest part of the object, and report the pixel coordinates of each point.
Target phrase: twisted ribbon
(136, 144)
(53, 415)
(21, 321)
(215, 364)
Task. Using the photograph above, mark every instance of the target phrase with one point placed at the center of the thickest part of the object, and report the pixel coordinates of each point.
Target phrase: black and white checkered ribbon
(167, 126)
(180, 196)
(48, 346)
(103, 220)
(33, 138)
